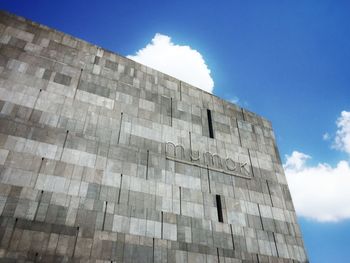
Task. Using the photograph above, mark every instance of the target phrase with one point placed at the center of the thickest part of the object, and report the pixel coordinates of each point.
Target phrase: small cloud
(182, 62)
(296, 161)
(342, 137)
(234, 100)
(319, 192)
(326, 136)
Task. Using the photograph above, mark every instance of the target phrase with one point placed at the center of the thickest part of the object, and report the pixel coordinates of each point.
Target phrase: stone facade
(104, 159)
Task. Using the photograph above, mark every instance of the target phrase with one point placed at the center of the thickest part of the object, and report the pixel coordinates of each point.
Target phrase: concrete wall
(83, 167)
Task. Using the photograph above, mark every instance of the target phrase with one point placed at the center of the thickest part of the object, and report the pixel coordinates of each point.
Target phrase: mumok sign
(206, 160)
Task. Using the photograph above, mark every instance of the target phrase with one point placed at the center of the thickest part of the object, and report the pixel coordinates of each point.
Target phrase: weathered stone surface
(85, 173)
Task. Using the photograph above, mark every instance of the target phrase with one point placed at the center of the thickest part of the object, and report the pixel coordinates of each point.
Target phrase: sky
(288, 61)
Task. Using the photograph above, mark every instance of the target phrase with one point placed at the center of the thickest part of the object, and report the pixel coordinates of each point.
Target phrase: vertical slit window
(210, 124)
(219, 208)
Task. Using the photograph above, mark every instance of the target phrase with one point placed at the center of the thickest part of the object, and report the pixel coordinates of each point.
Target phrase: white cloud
(181, 62)
(342, 138)
(326, 136)
(296, 161)
(322, 192)
(319, 192)
(234, 100)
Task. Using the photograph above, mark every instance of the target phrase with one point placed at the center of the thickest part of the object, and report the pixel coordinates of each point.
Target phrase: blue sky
(286, 60)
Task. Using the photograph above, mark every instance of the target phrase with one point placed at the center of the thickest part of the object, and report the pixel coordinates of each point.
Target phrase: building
(105, 159)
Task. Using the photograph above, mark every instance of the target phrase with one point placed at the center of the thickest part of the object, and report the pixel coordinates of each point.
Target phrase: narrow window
(219, 208)
(210, 124)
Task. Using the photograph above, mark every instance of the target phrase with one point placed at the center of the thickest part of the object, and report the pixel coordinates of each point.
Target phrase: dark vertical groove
(190, 137)
(161, 219)
(171, 112)
(210, 124)
(147, 165)
(13, 230)
(97, 151)
(104, 217)
(109, 147)
(39, 202)
(250, 160)
(217, 252)
(120, 126)
(219, 208)
(243, 114)
(127, 201)
(192, 229)
(262, 226)
(268, 188)
(233, 241)
(120, 188)
(257, 258)
(64, 143)
(180, 90)
(36, 256)
(41, 163)
(180, 201)
(75, 93)
(31, 113)
(75, 242)
(239, 135)
(153, 250)
(209, 180)
(274, 240)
